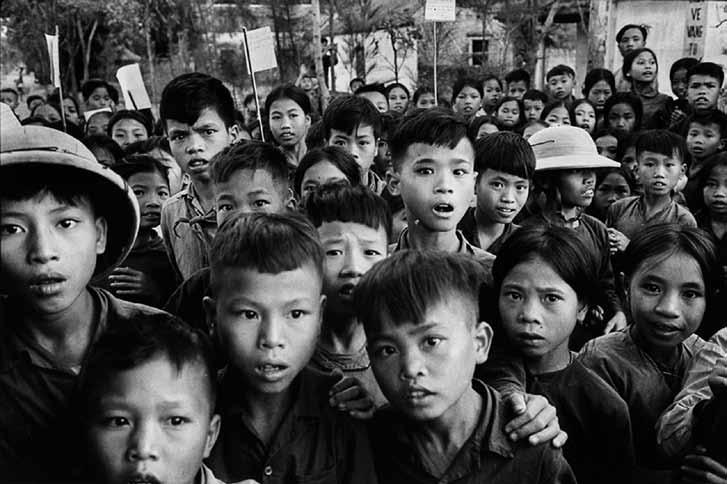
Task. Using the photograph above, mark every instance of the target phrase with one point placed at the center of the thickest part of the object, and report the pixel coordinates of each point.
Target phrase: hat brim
(575, 162)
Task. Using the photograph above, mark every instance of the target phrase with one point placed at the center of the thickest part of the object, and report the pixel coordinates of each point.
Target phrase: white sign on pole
(132, 87)
(696, 29)
(261, 49)
(55, 62)
(440, 11)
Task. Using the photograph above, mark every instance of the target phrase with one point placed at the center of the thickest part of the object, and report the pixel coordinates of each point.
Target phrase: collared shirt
(206, 476)
(488, 455)
(36, 436)
(676, 427)
(313, 443)
(628, 215)
(375, 183)
(187, 231)
(647, 388)
(468, 226)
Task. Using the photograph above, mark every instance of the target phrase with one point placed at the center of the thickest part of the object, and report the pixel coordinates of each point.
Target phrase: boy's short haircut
(186, 96)
(130, 114)
(436, 127)
(91, 85)
(685, 63)
(518, 75)
(709, 69)
(467, 82)
(249, 155)
(33, 97)
(148, 145)
(133, 164)
(338, 157)
(663, 142)
(624, 143)
(402, 287)
(106, 143)
(625, 98)
(535, 95)
(266, 243)
(490, 76)
(476, 124)
(288, 91)
(421, 91)
(315, 138)
(346, 113)
(561, 70)
(506, 152)
(394, 85)
(139, 341)
(707, 117)
(346, 203)
(626, 27)
(376, 87)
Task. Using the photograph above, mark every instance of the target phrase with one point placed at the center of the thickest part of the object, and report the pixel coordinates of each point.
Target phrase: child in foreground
(671, 280)
(545, 279)
(134, 433)
(425, 337)
(266, 305)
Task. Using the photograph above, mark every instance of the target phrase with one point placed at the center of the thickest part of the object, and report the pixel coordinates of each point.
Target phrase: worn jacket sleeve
(556, 469)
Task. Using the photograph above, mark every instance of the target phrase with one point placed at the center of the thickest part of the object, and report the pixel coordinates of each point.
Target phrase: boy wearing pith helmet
(64, 220)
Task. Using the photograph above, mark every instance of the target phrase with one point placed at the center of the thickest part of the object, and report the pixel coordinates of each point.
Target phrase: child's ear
(292, 203)
(101, 233)
(212, 433)
(722, 144)
(582, 313)
(684, 168)
(210, 311)
(234, 133)
(483, 340)
(393, 182)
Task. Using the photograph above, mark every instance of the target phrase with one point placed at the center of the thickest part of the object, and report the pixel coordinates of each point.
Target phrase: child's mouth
(46, 285)
(347, 290)
(443, 209)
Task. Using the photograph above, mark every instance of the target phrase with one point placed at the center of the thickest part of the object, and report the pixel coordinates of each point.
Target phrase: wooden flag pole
(436, 95)
(254, 84)
(60, 84)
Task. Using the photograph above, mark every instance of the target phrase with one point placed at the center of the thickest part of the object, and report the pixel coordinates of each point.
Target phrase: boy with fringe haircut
(266, 305)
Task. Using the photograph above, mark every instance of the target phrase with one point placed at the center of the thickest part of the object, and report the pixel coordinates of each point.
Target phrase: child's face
(703, 91)
(467, 102)
(599, 94)
(103, 156)
(622, 118)
(613, 188)
(98, 124)
(485, 129)
(659, 173)
(99, 98)
(322, 173)
(509, 114)
(501, 196)
(577, 187)
(437, 184)
(49, 250)
(377, 99)
(398, 100)
(679, 83)
(517, 89)
(127, 131)
(267, 324)
(715, 191)
(533, 108)
(667, 299)
(607, 145)
(704, 140)
(351, 250)
(151, 190)
(632, 39)
(153, 423)
(492, 92)
(629, 160)
(531, 130)
(251, 191)
(558, 117)
(9, 98)
(644, 68)
(561, 86)
(361, 144)
(288, 123)
(539, 311)
(425, 368)
(426, 101)
(69, 108)
(194, 146)
(585, 117)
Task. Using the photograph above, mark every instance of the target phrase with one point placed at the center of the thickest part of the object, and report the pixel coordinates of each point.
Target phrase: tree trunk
(318, 56)
(149, 49)
(540, 62)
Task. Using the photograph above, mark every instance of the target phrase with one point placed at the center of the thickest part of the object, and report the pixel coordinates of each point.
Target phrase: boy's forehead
(462, 152)
(359, 131)
(207, 116)
(704, 125)
(45, 201)
(703, 78)
(253, 285)
(100, 90)
(337, 229)
(446, 313)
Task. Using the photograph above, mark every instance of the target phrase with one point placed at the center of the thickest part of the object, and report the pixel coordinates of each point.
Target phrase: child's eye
(224, 207)
(692, 294)
(432, 341)
(552, 298)
(115, 422)
(384, 351)
(496, 185)
(139, 193)
(10, 229)
(178, 137)
(514, 296)
(339, 143)
(424, 171)
(460, 172)
(260, 203)
(652, 288)
(177, 421)
(372, 253)
(521, 188)
(334, 252)
(68, 223)
(248, 314)
(297, 313)
(209, 132)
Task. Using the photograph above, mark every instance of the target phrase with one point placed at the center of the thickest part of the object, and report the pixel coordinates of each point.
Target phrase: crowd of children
(524, 287)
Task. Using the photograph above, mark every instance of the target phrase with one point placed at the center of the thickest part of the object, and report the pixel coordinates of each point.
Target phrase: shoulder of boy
(119, 310)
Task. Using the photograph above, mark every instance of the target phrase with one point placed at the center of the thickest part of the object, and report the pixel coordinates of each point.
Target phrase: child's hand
(349, 395)
(677, 116)
(616, 323)
(718, 378)
(536, 419)
(126, 281)
(697, 468)
(617, 241)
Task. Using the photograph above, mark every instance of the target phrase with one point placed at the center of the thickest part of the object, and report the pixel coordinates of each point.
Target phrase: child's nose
(271, 334)
(412, 365)
(43, 247)
(142, 444)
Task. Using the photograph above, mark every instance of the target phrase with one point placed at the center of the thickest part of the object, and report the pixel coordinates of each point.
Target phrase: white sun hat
(567, 148)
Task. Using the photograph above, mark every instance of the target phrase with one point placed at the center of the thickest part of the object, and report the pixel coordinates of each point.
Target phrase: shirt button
(268, 470)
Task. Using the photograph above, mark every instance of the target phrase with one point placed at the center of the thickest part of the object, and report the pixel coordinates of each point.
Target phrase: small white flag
(261, 49)
(55, 62)
(440, 11)
(132, 87)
